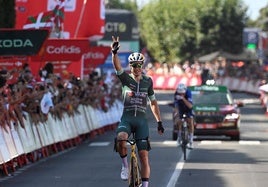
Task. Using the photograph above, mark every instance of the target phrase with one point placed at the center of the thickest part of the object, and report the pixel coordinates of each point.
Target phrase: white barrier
(54, 128)
(81, 122)
(87, 113)
(10, 142)
(27, 137)
(4, 153)
(16, 140)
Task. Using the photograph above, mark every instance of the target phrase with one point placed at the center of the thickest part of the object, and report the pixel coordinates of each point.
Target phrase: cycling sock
(145, 182)
(179, 134)
(191, 137)
(124, 161)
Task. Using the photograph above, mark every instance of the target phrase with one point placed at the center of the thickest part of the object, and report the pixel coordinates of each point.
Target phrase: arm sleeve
(189, 96)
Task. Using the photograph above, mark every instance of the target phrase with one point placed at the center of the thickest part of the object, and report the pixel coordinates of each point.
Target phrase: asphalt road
(215, 162)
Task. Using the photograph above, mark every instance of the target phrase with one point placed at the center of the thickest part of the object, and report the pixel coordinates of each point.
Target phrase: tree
(262, 21)
(126, 4)
(223, 26)
(7, 14)
(177, 29)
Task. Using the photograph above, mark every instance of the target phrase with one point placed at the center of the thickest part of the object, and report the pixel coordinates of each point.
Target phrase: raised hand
(115, 44)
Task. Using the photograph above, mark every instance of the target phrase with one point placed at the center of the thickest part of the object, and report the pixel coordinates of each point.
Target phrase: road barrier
(19, 146)
(165, 82)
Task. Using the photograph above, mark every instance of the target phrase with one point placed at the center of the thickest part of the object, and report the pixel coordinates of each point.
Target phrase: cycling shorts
(137, 124)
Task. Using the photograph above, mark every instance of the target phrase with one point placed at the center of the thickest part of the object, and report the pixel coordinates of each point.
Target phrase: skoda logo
(8, 43)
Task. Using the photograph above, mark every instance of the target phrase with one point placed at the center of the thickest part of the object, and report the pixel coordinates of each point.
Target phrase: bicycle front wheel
(184, 142)
(184, 151)
(134, 174)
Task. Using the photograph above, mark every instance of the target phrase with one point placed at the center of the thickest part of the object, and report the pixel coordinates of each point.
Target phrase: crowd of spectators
(220, 67)
(26, 92)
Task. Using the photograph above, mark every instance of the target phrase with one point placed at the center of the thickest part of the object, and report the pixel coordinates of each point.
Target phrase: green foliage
(177, 29)
(118, 4)
(262, 22)
(7, 13)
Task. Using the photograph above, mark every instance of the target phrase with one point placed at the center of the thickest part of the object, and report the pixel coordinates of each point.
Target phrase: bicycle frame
(134, 169)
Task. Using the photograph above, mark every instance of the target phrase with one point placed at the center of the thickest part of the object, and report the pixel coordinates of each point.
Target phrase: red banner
(13, 62)
(62, 50)
(94, 57)
(82, 18)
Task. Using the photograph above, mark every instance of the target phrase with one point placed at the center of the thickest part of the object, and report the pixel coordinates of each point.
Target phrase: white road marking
(170, 143)
(99, 144)
(242, 142)
(210, 142)
(176, 173)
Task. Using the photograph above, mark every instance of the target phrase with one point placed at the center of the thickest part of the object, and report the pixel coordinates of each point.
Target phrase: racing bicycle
(134, 177)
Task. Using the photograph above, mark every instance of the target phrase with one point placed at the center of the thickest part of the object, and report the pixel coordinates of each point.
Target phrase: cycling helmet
(181, 88)
(136, 57)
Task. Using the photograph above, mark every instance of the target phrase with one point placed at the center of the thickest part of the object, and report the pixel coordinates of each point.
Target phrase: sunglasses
(137, 65)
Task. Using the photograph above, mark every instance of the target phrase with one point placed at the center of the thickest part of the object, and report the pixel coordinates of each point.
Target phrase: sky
(254, 7)
(253, 10)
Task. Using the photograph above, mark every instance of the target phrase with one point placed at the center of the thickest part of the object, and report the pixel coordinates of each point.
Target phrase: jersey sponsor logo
(135, 100)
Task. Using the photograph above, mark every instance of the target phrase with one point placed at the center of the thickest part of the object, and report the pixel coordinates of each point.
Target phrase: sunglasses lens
(136, 65)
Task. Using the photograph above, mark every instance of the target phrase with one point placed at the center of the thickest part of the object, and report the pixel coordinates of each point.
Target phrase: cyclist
(136, 88)
(183, 105)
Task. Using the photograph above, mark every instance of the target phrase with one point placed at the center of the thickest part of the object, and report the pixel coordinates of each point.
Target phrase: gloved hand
(160, 127)
(115, 46)
(179, 97)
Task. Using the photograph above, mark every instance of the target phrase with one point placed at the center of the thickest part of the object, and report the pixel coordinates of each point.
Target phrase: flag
(42, 20)
(58, 12)
(47, 19)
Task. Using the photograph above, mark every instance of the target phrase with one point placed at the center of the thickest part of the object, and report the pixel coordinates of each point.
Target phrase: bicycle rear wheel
(134, 174)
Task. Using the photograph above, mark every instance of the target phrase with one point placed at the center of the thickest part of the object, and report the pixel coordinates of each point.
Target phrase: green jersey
(135, 94)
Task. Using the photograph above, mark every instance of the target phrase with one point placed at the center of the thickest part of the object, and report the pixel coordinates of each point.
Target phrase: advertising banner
(94, 57)
(121, 23)
(13, 62)
(62, 50)
(251, 37)
(21, 42)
